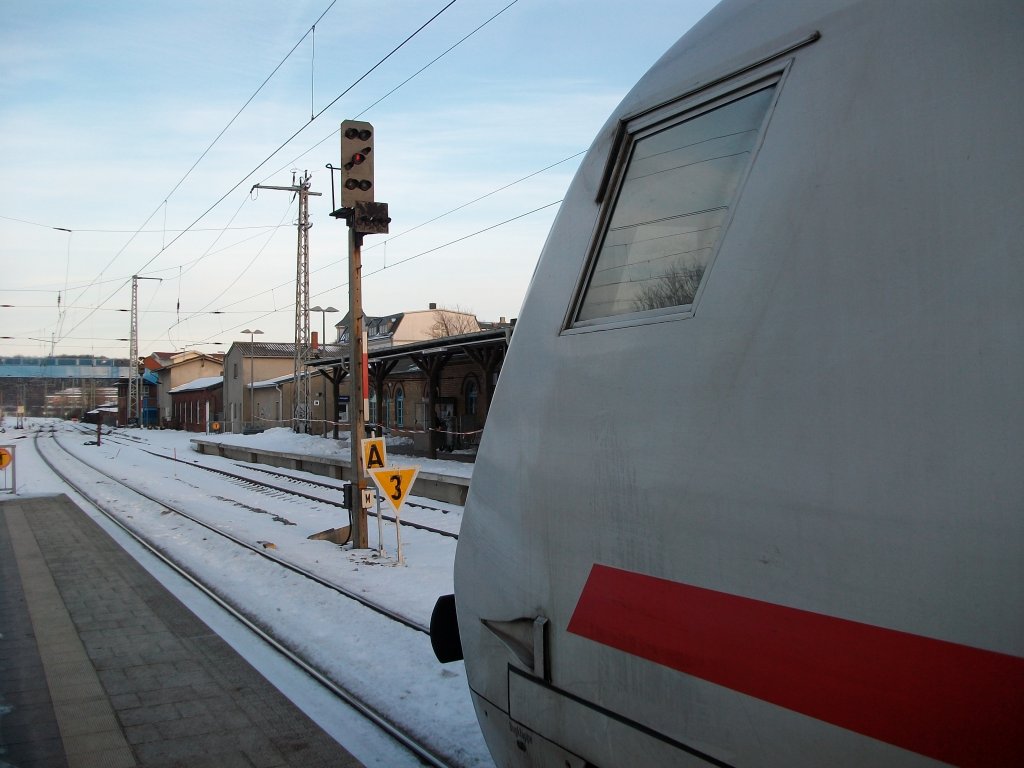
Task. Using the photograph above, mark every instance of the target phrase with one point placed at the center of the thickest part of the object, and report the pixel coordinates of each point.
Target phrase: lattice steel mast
(303, 351)
(134, 383)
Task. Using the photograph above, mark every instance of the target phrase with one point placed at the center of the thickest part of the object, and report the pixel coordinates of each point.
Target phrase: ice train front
(750, 491)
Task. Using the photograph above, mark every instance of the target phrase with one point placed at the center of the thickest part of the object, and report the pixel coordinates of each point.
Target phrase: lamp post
(252, 379)
(323, 342)
(323, 321)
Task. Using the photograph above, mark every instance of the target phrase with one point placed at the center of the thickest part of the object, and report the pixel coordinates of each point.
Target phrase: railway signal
(356, 163)
(364, 216)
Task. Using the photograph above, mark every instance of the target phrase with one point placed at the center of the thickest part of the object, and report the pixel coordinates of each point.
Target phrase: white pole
(398, 537)
(380, 527)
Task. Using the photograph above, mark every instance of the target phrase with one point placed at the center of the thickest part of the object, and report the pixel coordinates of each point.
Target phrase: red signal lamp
(358, 158)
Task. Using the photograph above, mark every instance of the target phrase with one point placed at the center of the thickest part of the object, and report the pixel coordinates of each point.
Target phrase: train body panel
(707, 530)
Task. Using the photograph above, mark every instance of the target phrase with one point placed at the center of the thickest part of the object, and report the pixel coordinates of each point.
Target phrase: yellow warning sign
(5, 458)
(375, 455)
(395, 483)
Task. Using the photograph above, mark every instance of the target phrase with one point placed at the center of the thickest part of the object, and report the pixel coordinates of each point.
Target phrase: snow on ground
(389, 665)
(284, 439)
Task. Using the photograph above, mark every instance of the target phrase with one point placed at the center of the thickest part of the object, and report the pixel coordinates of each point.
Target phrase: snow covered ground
(388, 665)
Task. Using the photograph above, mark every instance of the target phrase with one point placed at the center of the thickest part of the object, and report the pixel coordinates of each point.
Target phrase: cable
(267, 313)
(264, 161)
(189, 171)
(138, 231)
(117, 309)
(378, 271)
(249, 101)
(477, 200)
(418, 226)
(237, 278)
(460, 239)
(418, 72)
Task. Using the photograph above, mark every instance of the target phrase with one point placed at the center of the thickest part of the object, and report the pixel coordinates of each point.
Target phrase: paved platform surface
(101, 666)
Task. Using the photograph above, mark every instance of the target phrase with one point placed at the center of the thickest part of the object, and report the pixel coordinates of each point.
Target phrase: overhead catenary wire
(382, 269)
(85, 230)
(405, 82)
(383, 243)
(425, 223)
(265, 160)
(204, 154)
(164, 230)
(238, 277)
(267, 313)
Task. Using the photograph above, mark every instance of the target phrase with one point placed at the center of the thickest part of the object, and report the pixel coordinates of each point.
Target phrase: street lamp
(252, 379)
(323, 342)
(323, 321)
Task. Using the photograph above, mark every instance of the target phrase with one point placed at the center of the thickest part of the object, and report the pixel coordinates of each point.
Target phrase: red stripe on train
(952, 702)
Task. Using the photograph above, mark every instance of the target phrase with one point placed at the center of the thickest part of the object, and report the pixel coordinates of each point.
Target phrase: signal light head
(357, 162)
(363, 184)
(355, 133)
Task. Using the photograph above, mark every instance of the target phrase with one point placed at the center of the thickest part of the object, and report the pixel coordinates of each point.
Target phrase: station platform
(101, 666)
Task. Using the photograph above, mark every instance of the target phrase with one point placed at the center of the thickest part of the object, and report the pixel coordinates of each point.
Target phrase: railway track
(120, 438)
(332, 486)
(264, 487)
(417, 746)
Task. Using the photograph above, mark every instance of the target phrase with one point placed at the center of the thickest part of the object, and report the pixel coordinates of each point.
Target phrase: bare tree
(675, 288)
(453, 321)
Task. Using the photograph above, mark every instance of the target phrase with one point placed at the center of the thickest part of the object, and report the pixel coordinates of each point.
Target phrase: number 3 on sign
(395, 483)
(399, 494)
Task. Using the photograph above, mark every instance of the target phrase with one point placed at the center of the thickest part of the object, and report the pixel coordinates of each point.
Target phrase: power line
(415, 74)
(264, 161)
(460, 239)
(119, 309)
(315, 116)
(377, 271)
(478, 199)
(82, 230)
(429, 221)
(201, 156)
(249, 100)
(233, 282)
(268, 313)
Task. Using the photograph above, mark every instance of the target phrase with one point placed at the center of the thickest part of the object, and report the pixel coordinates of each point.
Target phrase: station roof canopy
(429, 348)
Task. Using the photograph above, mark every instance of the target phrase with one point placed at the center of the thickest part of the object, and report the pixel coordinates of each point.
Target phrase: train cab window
(679, 182)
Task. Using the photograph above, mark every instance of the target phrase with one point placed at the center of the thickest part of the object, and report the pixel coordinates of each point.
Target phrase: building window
(234, 370)
(472, 396)
(680, 180)
(399, 407)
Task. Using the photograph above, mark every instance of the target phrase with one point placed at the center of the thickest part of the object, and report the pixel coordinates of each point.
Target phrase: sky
(132, 133)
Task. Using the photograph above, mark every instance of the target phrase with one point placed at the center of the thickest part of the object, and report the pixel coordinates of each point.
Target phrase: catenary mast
(301, 355)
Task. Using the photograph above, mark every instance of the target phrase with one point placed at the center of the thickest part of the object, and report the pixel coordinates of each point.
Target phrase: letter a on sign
(394, 483)
(375, 455)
